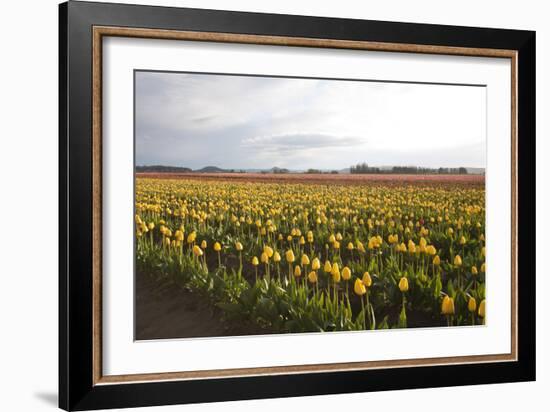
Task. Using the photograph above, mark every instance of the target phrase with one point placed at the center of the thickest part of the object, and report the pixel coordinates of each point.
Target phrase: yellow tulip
(367, 280)
(276, 257)
(346, 273)
(448, 306)
(297, 271)
(264, 258)
(403, 284)
(239, 246)
(371, 243)
(458, 260)
(437, 260)
(255, 261)
(482, 267)
(462, 240)
(474, 270)
(197, 251)
(481, 309)
(359, 288)
(191, 237)
(305, 260)
(315, 264)
(217, 247)
(335, 272)
(328, 267)
(312, 277)
(350, 246)
(289, 255)
(268, 251)
(472, 304)
(203, 244)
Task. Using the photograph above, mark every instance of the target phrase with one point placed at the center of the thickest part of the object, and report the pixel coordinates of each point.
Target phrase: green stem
(364, 314)
(368, 307)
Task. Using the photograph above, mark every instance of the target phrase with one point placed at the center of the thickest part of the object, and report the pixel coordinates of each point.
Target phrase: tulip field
(322, 254)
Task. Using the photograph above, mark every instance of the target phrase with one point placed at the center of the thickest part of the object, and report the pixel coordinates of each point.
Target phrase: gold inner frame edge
(101, 31)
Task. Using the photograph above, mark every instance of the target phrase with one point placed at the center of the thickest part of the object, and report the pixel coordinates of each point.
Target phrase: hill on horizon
(211, 169)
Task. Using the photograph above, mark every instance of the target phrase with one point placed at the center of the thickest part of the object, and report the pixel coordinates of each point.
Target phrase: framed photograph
(256, 205)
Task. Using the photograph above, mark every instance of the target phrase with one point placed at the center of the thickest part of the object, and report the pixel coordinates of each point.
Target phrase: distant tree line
(321, 172)
(363, 168)
(279, 170)
(162, 169)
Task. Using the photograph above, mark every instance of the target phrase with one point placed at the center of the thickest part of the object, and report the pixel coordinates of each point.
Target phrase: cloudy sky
(244, 122)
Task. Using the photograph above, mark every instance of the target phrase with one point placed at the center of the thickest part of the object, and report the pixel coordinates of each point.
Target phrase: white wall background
(28, 201)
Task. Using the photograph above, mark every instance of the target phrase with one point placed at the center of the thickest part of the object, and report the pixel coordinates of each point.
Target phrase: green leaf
(437, 287)
(384, 323)
(373, 318)
(229, 307)
(450, 289)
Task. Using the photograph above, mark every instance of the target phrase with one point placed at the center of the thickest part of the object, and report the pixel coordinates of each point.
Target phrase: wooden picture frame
(82, 384)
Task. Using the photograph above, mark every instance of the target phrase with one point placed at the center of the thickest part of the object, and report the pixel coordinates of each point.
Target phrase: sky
(250, 122)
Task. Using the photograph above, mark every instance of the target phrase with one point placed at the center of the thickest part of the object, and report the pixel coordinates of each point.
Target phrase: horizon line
(316, 168)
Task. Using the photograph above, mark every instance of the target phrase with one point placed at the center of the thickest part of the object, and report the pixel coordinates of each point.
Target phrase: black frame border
(76, 388)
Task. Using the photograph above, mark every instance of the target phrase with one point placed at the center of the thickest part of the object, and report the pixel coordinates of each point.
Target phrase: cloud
(204, 119)
(294, 142)
(255, 122)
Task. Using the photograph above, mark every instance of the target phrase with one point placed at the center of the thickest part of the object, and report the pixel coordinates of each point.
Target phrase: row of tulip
(414, 261)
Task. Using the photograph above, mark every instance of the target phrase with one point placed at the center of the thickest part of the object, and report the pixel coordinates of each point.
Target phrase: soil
(165, 310)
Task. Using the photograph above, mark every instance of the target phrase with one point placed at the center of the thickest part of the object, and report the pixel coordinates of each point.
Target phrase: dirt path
(165, 310)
